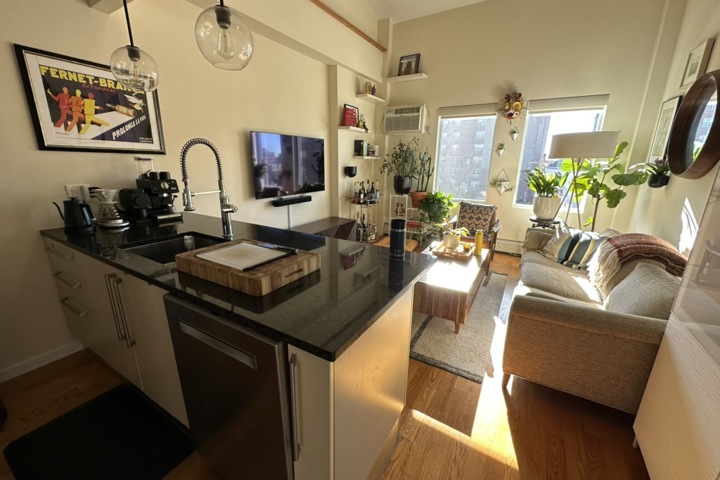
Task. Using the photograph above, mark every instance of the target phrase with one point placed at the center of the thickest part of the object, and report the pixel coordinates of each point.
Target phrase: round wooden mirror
(695, 137)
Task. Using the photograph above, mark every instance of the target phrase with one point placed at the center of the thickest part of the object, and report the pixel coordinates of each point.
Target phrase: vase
(451, 241)
(417, 198)
(402, 185)
(545, 208)
(658, 180)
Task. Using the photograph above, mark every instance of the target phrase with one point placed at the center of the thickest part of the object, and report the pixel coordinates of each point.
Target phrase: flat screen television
(287, 164)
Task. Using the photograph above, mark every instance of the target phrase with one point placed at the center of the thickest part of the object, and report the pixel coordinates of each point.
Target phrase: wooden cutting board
(256, 281)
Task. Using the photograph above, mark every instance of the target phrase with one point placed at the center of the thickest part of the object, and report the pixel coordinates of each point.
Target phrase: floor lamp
(579, 146)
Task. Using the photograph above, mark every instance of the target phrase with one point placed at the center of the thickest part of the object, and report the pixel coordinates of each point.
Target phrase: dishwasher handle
(222, 347)
(294, 408)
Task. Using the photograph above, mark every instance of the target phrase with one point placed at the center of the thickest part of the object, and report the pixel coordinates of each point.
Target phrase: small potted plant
(402, 163)
(547, 187)
(423, 174)
(434, 208)
(658, 173)
(451, 236)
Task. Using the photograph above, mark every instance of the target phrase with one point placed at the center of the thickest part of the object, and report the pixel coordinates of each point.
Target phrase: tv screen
(287, 164)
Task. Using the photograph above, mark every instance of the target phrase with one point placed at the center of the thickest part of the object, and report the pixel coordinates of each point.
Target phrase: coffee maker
(152, 200)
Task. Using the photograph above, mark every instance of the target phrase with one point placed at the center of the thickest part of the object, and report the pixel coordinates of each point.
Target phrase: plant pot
(545, 208)
(417, 197)
(658, 180)
(451, 241)
(402, 185)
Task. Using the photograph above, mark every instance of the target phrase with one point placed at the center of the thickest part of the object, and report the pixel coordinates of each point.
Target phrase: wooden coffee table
(449, 287)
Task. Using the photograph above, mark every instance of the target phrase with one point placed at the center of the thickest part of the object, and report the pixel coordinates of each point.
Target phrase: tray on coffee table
(458, 253)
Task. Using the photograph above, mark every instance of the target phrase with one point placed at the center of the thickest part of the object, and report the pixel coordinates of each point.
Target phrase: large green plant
(543, 183)
(436, 206)
(594, 179)
(403, 160)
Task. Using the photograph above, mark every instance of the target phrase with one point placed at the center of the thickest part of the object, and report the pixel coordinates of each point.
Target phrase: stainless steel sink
(164, 250)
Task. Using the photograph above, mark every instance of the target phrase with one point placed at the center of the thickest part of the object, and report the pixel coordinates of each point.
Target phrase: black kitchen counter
(322, 313)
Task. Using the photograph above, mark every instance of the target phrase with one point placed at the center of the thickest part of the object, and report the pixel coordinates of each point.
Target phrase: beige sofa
(597, 343)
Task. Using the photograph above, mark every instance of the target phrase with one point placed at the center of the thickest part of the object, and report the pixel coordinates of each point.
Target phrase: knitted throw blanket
(616, 250)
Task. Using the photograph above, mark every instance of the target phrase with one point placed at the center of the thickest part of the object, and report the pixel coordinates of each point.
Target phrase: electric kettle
(78, 214)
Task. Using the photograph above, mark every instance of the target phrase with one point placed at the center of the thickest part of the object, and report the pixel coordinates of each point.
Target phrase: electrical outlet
(80, 191)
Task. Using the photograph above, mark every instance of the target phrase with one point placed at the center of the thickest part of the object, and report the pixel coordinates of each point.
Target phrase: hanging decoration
(501, 182)
(500, 149)
(512, 106)
(514, 133)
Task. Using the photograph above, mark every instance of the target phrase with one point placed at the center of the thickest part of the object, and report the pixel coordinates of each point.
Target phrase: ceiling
(402, 10)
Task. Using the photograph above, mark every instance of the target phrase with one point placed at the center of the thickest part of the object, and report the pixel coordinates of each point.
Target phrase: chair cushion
(476, 217)
(648, 291)
(572, 248)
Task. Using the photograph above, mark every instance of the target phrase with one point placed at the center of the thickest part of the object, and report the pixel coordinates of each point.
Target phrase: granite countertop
(322, 313)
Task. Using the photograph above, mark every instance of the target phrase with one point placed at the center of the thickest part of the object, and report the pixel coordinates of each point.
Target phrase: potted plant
(547, 187)
(451, 236)
(434, 208)
(402, 163)
(501, 184)
(658, 172)
(423, 174)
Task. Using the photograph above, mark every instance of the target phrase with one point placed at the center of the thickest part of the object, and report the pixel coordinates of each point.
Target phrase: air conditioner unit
(406, 119)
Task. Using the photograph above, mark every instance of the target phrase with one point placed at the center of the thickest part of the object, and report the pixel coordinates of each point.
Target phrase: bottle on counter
(478, 244)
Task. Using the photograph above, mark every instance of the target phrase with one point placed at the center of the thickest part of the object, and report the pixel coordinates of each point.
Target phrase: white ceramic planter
(451, 241)
(544, 208)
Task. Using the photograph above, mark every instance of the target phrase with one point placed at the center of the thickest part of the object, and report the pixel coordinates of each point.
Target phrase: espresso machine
(152, 200)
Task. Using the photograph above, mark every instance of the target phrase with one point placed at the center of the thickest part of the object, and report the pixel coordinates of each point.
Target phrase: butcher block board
(256, 281)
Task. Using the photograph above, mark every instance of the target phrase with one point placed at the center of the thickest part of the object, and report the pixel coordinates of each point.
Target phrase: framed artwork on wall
(658, 147)
(697, 62)
(78, 105)
(409, 65)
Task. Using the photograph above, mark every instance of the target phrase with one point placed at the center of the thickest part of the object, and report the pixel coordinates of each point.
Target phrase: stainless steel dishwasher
(234, 384)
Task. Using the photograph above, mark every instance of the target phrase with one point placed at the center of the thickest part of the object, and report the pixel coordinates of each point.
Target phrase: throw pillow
(648, 291)
(571, 247)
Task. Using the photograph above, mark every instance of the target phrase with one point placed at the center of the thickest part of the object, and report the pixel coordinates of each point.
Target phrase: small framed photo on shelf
(409, 65)
(697, 62)
(350, 116)
(658, 148)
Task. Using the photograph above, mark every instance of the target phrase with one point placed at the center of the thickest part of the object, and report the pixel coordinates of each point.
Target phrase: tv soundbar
(281, 202)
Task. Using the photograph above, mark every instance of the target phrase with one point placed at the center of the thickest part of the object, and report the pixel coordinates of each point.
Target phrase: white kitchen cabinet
(122, 319)
(347, 412)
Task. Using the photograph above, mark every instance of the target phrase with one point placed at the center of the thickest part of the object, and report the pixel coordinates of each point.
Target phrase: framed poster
(79, 106)
(658, 148)
(409, 65)
(697, 62)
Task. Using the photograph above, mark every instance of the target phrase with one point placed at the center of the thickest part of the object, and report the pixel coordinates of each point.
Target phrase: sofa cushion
(648, 291)
(542, 273)
(572, 248)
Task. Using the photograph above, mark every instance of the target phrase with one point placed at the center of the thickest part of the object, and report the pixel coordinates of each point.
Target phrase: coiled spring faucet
(226, 208)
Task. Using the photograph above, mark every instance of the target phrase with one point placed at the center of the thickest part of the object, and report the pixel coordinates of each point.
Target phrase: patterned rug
(434, 340)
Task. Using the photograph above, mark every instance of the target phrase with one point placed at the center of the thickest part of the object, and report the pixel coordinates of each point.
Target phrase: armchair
(477, 217)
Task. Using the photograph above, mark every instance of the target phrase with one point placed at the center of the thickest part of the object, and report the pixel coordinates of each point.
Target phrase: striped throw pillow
(573, 248)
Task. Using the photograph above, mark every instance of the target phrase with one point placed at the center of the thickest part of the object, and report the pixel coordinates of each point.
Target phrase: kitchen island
(346, 328)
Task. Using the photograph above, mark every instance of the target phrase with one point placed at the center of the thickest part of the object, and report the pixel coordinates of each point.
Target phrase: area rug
(435, 342)
(117, 435)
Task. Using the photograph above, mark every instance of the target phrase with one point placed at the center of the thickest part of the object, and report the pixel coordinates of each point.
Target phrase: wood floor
(452, 428)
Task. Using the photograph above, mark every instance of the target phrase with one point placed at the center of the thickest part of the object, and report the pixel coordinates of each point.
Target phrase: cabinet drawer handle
(113, 305)
(66, 280)
(74, 310)
(235, 353)
(115, 284)
(294, 408)
(52, 248)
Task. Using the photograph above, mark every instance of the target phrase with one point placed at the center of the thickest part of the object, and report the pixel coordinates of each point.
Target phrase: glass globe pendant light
(132, 67)
(223, 37)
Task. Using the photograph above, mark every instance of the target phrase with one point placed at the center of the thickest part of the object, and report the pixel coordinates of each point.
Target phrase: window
(547, 118)
(464, 151)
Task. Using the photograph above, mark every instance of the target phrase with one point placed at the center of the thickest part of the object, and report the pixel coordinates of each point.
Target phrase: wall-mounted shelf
(359, 157)
(408, 78)
(368, 97)
(353, 129)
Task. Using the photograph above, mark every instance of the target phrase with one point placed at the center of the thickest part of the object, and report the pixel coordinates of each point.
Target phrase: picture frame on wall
(697, 63)
(350, 116)
(77, 105)
(658, 147)
(409, 65)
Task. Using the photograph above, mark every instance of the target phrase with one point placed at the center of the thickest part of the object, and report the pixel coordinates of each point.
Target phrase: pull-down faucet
(226, 208)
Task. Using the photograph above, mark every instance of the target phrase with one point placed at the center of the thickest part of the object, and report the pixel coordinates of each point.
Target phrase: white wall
(661, 210)
(546, 49)
(281, 90)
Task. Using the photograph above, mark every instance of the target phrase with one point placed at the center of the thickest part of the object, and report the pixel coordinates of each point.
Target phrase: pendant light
(132, 67)
(224, 38)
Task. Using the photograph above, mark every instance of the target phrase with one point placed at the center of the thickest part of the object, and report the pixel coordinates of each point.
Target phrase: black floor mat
(117, 435)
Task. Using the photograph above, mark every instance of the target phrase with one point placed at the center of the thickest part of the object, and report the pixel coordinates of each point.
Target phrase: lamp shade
(584, 145)
(223, 38)
(134, 68)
